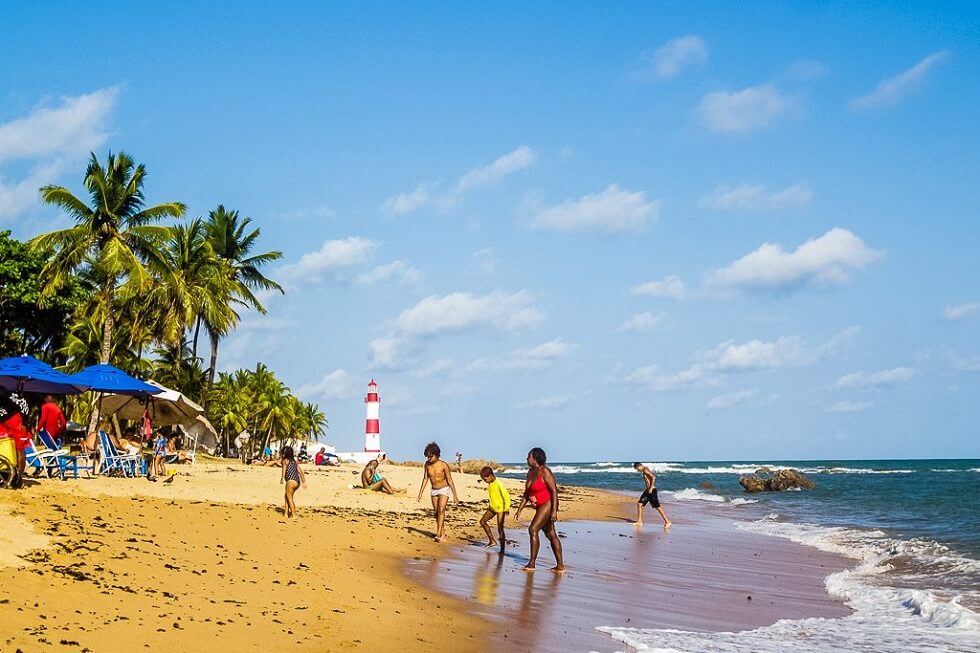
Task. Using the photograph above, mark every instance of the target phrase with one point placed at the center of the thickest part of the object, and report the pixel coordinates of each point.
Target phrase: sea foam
(886, 617)
(694, 494)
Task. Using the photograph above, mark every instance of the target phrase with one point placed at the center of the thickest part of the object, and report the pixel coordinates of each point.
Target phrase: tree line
(121, 286)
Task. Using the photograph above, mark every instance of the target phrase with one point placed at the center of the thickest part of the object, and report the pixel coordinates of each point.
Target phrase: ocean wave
(739, 468)
(886, 617)
(694, 494)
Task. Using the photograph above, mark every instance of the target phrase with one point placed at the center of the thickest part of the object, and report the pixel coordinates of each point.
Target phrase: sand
(209, 562)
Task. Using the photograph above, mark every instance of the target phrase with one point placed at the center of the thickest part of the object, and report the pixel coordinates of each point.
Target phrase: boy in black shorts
(649, 495)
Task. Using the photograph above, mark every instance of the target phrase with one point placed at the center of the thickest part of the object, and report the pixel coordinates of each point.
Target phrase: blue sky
(671, 231)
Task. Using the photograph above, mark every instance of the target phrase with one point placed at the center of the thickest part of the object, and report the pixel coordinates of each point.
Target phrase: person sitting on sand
(499, 507)
(649, 495)
(437, 472)
(292, 476)
(371, 479)
(541, 492)
(175, 455)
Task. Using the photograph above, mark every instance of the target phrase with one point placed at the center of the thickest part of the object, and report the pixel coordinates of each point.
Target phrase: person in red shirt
(52, 419)
(12, 411)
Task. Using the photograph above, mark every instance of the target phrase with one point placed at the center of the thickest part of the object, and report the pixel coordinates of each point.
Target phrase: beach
(209, 560)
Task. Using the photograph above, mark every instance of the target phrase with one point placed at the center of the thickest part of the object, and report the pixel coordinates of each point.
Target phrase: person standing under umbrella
(52, 420)
(13, 407)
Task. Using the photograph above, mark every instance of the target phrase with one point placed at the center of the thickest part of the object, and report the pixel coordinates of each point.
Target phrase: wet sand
(699, 576)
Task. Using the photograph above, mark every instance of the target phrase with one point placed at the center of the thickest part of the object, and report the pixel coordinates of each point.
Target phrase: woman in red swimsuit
(541, 493)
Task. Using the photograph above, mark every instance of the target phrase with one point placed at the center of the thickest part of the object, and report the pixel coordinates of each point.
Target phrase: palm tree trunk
(197, 332)
(110, 291)
(214, 363)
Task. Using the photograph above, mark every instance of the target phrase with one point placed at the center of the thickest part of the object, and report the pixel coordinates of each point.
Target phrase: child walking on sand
(649, 495)
(437, 472)
(499, 507)
(292, 476)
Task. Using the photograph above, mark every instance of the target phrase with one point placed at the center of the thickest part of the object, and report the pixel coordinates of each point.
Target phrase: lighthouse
(372, 425)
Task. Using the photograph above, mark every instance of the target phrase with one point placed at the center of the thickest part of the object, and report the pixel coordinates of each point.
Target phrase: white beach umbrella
(166, 408)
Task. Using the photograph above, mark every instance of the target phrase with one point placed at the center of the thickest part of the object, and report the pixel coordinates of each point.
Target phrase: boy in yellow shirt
(499, 506)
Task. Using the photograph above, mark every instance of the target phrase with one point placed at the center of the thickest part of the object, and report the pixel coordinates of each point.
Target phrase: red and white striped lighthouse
(372, 427)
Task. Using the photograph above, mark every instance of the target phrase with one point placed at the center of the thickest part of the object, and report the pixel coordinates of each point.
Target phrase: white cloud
(398, 271)
(533, 358)
(509, 163)
(731, 399)
(547, 403)
(485, 260)
(966, 363)
(875, 379)
(17, 197)
(757, 355)
(891, 90)
(678, 54)
(56, 140)
(670, 286)
(428, 194)
(333, 256)
(728, 357)
(642, 322)
(829, 259)
(335, 385)
(389, 352)
(613, 210)
(848, 406)
(748, 197)
(75, 128)
(960, 311)
(652, 378)
(742, 111)
(460, 311)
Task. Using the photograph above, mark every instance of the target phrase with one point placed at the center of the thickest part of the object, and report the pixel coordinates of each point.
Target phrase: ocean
(911, 526)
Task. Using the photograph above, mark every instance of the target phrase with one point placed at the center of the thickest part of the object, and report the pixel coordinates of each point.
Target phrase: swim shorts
(649, 497)
(443, 491)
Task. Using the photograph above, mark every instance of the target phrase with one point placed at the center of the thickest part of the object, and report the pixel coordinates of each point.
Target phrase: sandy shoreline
(210, 559)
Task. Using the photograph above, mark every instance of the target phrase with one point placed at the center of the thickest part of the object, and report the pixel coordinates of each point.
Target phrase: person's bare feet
(638, 523)
(560, 569)
(490, 544)
(528, 568)
(668, 525)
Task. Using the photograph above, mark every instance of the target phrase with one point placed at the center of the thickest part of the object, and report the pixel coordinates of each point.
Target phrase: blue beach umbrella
(106, 378)
(28, 374)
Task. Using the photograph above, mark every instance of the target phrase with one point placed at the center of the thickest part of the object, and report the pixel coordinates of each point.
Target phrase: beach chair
(67, 461)
(112, 460)
(46, 461)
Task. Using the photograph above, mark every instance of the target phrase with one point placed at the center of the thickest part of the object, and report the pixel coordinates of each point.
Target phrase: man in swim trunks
(437, 472)
(649, 495)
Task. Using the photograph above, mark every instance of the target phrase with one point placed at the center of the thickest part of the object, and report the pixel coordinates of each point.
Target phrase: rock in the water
(752, 483)
(763, 470)
(784, 479)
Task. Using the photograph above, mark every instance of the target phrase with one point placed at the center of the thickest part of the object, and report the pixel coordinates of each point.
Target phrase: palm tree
(315, 421)
(226, 233)
(114, 235)
(192, 284)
